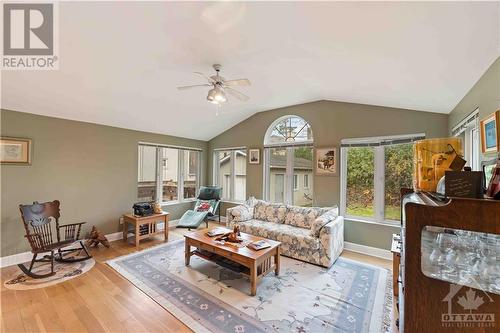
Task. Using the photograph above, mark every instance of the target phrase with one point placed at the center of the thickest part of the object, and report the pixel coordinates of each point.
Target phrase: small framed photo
(15, 151)
(490, 136)
(254, 156)
(326, 161)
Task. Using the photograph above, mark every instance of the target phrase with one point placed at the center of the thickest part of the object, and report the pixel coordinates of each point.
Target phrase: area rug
(64, 272)
(348, 297)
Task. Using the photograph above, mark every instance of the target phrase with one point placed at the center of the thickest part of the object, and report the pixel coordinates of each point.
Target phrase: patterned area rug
(64, 271)
(348, 297)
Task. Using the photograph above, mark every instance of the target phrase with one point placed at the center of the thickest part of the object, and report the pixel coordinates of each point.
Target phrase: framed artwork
(254, 156)
(490, 136)
(15, 151)
(326, 161)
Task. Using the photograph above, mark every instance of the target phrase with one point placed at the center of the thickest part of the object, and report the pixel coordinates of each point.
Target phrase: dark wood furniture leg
(277, 261)
(187, 252)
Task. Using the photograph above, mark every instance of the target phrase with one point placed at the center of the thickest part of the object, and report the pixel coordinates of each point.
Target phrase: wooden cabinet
(439, 288)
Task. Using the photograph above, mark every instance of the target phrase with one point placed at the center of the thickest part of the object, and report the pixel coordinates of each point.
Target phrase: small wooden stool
(151, 228)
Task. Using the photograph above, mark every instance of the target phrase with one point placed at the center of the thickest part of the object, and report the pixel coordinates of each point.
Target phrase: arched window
(288, 162)
(288, 130)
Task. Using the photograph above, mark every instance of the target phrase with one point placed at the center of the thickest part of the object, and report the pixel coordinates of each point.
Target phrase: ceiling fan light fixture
(216, 96)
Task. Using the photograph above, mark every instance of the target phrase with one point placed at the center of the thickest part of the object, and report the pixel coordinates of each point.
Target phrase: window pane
(224, 180)
(302, 169)
(398, 174)
(191, 160)
(291, 129)
(146, 177)
(240, 178)
(277, 170)
(360, 173)
(169, 174)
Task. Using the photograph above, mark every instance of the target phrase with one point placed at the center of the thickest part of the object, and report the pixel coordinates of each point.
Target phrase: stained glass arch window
(288, 130)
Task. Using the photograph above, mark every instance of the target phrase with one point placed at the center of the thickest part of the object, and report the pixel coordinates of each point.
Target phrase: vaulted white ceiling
(120, 63)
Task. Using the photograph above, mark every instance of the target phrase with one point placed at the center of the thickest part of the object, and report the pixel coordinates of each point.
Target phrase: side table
(145, 226)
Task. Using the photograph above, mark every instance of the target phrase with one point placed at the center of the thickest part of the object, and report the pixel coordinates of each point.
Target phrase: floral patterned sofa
(311, 234)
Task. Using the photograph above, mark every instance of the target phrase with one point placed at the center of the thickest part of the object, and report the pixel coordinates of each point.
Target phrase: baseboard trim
(368, 250)
(23, 257)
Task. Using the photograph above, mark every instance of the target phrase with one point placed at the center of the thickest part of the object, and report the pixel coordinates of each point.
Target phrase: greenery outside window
(373, 170)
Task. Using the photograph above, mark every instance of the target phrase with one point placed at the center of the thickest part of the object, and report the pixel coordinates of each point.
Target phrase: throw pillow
(204, 206)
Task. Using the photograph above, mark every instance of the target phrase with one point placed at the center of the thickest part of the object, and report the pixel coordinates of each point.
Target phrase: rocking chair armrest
(70, 224)
(74, 230)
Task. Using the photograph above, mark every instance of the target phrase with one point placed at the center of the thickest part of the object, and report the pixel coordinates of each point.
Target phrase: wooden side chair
(41, 222)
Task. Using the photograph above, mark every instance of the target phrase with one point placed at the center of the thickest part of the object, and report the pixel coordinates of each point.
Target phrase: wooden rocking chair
(38, 221)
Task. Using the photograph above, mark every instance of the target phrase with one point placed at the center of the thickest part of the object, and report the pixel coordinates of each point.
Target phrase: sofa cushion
(293, 238)
(302, 217)
(323, 220)
(270, 212)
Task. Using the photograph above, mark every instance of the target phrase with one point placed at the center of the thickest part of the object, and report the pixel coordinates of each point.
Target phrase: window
(468, 130)
(170, 174)
(230, 170)
(146, 178)
(360, 176)
(288, 158)
(192, 162)
(173, 172)
(372, 174)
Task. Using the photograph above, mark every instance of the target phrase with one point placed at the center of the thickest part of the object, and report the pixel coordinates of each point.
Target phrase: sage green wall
(330, 122)
(485, 95)
(91, 169)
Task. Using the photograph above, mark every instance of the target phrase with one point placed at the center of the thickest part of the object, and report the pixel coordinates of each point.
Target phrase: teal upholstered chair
(192, 218)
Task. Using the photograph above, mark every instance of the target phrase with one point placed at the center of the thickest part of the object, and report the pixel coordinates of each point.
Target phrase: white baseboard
(368, 250)
(23, 257)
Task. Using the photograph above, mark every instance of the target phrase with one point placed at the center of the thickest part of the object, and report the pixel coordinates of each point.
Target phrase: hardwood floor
(101, 300)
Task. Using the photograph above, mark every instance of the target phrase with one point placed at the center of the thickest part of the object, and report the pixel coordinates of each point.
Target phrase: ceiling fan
(220, 86)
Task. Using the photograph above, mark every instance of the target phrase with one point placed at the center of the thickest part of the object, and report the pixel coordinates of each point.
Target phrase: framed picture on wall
(254, 156)
(326, 161)
(490, 136)
(15, 151)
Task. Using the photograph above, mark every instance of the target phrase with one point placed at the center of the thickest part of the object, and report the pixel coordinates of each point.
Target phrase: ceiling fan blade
(237, 82)
(237, 94)
(194, 86)
(209, 79)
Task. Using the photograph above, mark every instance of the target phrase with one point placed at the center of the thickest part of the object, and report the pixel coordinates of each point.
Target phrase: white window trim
(180, 176)
(378, 181)
(232, 168)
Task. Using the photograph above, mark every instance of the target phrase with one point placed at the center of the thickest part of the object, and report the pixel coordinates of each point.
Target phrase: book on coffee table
(218, 231)
(259, 245)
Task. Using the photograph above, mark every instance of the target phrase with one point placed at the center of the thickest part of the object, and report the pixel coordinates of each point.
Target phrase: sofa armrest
(238, 214)
(322, 220)
(331, 239)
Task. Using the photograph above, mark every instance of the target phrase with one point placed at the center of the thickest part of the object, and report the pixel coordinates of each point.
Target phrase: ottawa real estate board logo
(30, 36)
(466, 308)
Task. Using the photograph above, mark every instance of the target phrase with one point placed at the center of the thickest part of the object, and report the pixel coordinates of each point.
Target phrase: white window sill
(387, 223)
(176, 202)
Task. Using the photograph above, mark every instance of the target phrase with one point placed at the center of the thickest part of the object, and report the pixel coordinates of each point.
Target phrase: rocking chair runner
(38, 221)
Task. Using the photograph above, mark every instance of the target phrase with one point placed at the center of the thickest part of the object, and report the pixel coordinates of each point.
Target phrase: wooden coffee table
(254, 264)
